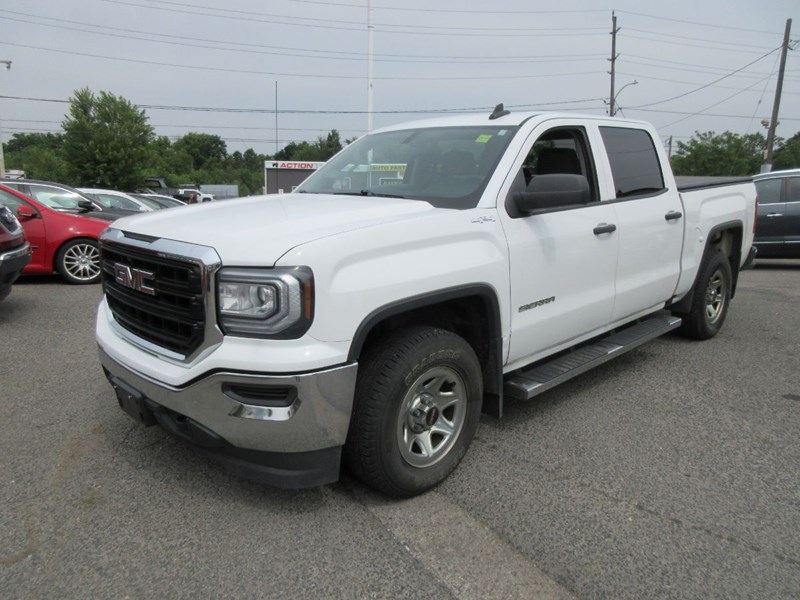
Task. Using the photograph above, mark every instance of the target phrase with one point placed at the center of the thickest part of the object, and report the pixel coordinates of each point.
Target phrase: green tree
(39, 163)
(724, 154)
(788, 155)
(203, 148)
(38, 154)
(106, 141)
(22, 141)
(321, 150)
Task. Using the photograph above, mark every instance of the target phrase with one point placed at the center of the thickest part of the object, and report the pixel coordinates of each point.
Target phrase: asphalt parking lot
(672, 472)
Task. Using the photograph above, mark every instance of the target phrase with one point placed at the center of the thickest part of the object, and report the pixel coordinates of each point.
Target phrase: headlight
(265, 302)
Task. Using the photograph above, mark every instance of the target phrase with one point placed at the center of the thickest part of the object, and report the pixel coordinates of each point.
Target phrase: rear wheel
(78, 261)
(417, 406)
(712, 296)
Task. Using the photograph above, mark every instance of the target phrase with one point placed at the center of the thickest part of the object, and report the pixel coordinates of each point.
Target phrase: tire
(712, 296)
(417, 406)
(78, 261)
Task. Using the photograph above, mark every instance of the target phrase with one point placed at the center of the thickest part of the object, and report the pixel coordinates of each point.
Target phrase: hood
(257, 231)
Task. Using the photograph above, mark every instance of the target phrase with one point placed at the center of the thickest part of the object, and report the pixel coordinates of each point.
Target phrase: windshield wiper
(379, 194)
(364, 193)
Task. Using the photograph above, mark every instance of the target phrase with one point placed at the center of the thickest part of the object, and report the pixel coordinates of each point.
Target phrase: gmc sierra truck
(427, 273)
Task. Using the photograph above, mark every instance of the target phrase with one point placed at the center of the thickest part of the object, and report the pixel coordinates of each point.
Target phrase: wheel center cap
(431, 416)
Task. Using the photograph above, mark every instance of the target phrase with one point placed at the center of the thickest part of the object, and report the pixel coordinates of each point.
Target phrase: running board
(525, 385)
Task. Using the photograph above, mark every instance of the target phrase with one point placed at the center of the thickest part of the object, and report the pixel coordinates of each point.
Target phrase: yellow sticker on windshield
(482, 139)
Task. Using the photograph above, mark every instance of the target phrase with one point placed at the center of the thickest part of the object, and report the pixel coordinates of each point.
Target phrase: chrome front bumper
(267, 413)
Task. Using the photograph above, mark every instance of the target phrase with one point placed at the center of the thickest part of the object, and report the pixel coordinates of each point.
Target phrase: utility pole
(612, 109)
(773, 123)
(7, 64)
(669, 154)
(370, 30)
(276, 117)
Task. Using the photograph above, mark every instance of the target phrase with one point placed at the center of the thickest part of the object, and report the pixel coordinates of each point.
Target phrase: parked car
(60, 241)
(15, 251)
(117, 200)
(158, 199)
(189, 193)
(64, 198)
(778, 227)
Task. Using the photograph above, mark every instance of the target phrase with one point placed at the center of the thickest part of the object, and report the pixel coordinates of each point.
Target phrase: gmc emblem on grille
(133, 278)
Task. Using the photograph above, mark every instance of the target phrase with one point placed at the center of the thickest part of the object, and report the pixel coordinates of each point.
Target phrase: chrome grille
(173, 314)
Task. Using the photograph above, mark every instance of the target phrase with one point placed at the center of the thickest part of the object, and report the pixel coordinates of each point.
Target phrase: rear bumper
(283, 430)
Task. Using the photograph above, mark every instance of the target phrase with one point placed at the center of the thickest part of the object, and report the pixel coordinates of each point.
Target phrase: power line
(440, 30)
(721, 87)
(686, 37)
(681, 66)
(685, 22)
(720, 115)
(239, 127)
(701, 111)
(702, 87)
(360, 58)
(452, 110)
(704, 46)
(305, 75)
(448, 10)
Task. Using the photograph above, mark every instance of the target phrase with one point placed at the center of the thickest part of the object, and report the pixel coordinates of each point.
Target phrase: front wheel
(712, 296)
(78, 261)
(417, 406)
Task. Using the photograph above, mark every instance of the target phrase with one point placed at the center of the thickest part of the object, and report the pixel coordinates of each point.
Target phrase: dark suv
(15, 252)
(778, 228)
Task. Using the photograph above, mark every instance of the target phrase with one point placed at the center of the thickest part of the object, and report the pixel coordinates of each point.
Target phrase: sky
(218, 67)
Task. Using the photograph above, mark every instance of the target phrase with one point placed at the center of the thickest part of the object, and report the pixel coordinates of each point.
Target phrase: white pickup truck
(424, 275)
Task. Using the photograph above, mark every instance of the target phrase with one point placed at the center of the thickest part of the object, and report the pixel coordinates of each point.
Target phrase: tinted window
(634, 162)
(793, 189)
(10, 200)
(769, 191)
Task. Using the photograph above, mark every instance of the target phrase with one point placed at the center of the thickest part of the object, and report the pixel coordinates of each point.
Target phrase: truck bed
(693, 182)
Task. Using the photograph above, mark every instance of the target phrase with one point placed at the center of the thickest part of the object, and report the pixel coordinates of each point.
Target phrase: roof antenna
(498, 112)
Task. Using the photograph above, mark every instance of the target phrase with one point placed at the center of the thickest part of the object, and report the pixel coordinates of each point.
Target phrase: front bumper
(284, 430)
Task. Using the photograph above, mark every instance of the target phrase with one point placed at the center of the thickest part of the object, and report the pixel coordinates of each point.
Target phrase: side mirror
(86, 206)
(26, 213)
(552, 191)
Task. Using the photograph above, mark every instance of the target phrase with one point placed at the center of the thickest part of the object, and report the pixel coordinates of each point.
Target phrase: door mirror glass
(552, 191)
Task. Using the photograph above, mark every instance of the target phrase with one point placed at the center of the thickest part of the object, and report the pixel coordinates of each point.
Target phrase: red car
(62, 242)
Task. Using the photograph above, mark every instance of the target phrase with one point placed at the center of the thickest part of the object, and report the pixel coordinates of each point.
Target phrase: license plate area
(132, 401)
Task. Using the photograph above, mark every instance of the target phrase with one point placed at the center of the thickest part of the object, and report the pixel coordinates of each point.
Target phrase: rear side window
(769, 191)
(634, 162)
(793, 189)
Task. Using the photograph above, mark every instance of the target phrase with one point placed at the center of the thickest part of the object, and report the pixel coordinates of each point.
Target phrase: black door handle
(604, 228)
(673, 215)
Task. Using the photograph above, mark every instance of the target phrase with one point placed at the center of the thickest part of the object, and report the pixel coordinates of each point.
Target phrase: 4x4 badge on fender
(133, 278)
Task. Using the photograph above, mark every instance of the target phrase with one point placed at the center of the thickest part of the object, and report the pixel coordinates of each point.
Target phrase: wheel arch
(727, 238)
(470, 311)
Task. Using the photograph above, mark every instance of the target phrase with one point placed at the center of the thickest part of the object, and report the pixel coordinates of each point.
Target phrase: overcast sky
(700, 65)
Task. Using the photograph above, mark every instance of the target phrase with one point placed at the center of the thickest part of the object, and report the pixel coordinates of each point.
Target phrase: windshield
(446, 166)
(115, 201)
